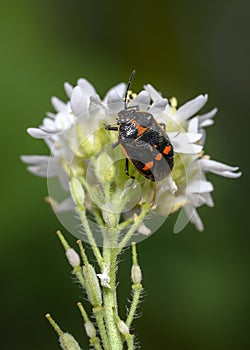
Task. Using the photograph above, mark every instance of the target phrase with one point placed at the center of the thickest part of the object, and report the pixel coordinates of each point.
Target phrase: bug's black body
(145, 142)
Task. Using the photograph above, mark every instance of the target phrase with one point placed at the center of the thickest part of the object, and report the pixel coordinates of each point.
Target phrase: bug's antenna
(128, 86)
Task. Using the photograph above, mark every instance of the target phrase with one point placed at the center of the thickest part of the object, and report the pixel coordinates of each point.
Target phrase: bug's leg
(111, 128)
(127, 169)
(116, 144)
(163, 126)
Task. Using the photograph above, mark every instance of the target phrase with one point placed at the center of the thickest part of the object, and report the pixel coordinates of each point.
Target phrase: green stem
(96, 343)
(124, 330)
(137, 288)
(124, 224)
(78, 273)
(91, 239)
(54, 325)
(98, 218)
(144, 211)
(94, 340)
(99, 316)
(109, 294)
(130, 341)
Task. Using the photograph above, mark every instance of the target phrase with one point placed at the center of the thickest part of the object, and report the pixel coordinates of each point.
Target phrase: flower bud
(77, 191)
(92, 285)
(144, 230)
(90, 329)
(136, 275)
(104, 168)
(90, 143)
(73, 257)
(123, 328)
(68, 342)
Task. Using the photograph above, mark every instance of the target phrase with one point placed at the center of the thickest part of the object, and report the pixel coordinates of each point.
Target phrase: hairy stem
(137, 289)
(144, 211)
(91, 239)
(99, 316)
(109, 294)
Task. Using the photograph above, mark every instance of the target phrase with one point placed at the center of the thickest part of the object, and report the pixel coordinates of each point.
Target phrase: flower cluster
(78, 142)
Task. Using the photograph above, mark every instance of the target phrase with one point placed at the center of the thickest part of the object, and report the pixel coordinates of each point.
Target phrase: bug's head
(126, 115)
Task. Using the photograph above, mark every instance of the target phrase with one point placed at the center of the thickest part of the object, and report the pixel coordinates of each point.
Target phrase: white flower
(75, 135)
(104, 277)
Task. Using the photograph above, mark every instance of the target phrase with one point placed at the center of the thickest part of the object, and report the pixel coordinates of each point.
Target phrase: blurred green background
(197, 284)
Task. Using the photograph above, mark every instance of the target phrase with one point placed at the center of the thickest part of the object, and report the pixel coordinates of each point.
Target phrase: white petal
(185, 137)
(78, 101)
(43, 166)
(183, 142)
(197, 199)
(54, 168)
(142, 100)
(219, 168)
(173, 134)
(208, 199)
(87, 88)
(199, 186)
(206, 123)
(48, 124)
(154, 94)
(35, 159)
(59, 105)
(38, 170)
(118, 89)
(206, 118)
(66, 205)
(190, 108)
(50, 115)
(188, 148)
(50, 142)
(193, 126)
(193, 216)
(115, 102)
(64, 120)
(38, 133)
(96, 102)
(158, 105)
(68, 89)
(232, 175)
(114, 97)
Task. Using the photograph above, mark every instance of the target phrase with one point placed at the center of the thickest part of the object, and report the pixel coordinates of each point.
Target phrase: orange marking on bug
(140, 129)
(159, 156)
(167, 149)
(148, 165)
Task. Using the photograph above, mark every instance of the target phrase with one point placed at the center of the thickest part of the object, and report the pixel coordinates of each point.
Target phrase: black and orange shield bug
(144, 141)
